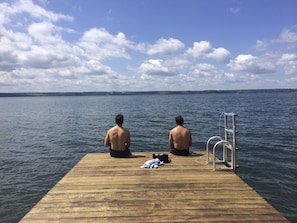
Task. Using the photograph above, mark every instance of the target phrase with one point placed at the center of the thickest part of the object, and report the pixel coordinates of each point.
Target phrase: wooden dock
(104, 189)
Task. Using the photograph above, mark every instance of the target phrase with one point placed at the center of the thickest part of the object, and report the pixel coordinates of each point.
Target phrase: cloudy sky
(147, 45)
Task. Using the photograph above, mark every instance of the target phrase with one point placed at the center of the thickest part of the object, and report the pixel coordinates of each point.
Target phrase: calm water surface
(42, 138)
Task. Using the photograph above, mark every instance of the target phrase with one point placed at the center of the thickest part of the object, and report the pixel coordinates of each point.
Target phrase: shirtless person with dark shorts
(118, 139)
(180, 138)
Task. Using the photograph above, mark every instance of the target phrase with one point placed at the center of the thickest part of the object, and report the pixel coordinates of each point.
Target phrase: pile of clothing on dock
(153, 163)
(158, 160)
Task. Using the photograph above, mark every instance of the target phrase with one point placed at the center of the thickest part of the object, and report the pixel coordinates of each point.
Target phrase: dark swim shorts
(179, 152)
(120, 154)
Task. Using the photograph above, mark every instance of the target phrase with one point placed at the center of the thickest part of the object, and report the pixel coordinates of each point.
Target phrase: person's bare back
(118, 138)
(180, 138)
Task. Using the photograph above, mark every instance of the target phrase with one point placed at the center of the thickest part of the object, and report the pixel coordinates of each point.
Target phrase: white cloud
(35, 54)
(163, 68)
(12, 44)
(156, 67)
(44, 32)
(94, 67)
(288, 57)
(99, 44)
(234, 10)
(289, 36)
(251, 64)
(27, 6)
(41, 56)
(213, 74)
(165, 46)
(200, 49)
(289, 62)
(204, 70)
(207, 75)
(204, 49)
(4, 18)
(220, 55)
(261, 45)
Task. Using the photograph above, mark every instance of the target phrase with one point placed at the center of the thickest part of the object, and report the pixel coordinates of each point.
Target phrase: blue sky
(147, 45)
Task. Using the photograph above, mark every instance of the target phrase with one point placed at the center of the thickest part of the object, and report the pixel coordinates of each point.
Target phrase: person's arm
(170, 140)
(190, 143)
(107, 140)
(128, 141)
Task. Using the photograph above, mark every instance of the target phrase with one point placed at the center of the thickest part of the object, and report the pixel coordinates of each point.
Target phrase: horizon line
(89, 93)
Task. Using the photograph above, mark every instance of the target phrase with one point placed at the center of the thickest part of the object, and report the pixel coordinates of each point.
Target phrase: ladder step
(230, 114)
(229, 131)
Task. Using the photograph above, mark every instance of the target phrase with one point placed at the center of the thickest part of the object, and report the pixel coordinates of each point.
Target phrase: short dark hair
(179, 120)
(119, 119)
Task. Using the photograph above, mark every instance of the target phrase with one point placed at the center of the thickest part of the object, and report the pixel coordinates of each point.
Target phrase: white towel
(153, 163)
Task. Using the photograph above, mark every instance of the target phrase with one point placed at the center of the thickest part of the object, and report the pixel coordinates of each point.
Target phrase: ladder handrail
(226, 145)
(219, 138)
(229, 142)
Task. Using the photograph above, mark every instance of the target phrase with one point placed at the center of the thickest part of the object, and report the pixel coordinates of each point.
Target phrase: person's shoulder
(188, 130)
(174, 129)
(112, 128)
(125, 129)
(184, 129)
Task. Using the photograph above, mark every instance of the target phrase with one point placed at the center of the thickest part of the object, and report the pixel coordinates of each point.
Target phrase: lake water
(42, 138)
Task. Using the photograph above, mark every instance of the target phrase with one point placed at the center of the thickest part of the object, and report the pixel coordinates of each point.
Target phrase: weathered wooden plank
(104, 189)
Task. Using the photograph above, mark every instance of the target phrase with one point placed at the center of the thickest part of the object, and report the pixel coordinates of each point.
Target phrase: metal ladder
(227, 144)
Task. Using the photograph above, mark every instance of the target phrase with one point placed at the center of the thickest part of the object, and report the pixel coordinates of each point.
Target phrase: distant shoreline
(103, 93)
